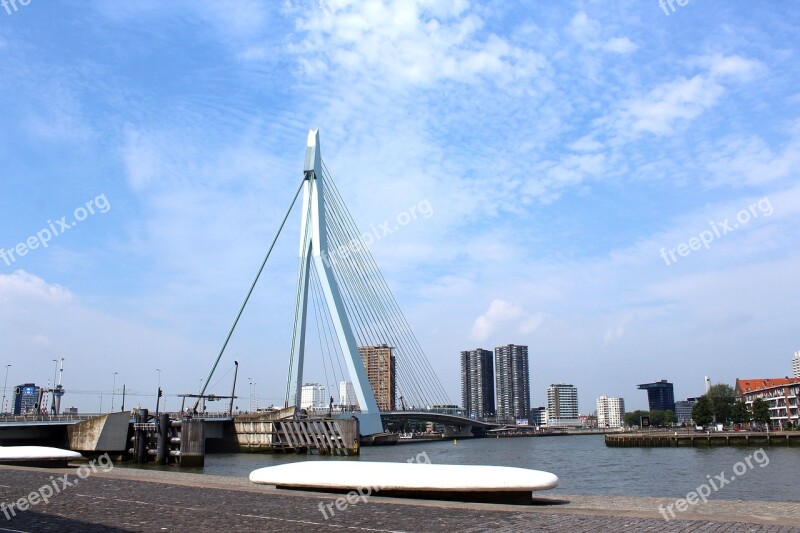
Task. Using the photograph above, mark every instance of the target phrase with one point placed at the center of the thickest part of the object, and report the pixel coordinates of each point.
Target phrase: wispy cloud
(560, 147)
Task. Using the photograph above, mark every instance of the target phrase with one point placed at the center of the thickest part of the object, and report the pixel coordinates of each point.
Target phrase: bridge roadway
(46, 429)
(455, 425)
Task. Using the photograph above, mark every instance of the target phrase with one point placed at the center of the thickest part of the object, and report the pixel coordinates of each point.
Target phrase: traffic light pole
(158, 401)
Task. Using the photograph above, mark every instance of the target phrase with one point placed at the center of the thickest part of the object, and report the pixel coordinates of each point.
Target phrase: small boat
(36, 456)
(476, 483)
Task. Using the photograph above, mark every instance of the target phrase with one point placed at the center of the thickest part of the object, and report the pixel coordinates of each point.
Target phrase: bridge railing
(45, 418)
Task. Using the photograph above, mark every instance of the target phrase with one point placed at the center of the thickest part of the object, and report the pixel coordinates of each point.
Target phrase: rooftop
(755, 384)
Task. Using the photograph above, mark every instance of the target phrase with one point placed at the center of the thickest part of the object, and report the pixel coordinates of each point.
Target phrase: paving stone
(142, 500)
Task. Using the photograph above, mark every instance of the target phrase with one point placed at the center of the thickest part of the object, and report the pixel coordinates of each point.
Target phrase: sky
(613, 184)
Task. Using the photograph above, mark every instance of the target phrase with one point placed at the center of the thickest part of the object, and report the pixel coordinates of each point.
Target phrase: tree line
(719, 405)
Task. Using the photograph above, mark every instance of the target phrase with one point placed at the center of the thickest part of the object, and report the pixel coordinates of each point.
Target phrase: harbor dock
(702, 439)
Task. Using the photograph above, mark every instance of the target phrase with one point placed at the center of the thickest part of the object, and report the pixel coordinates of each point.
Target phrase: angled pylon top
(312, 151)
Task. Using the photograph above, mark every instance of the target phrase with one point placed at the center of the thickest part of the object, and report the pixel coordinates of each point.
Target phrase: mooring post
(140, 442)
(193, 442)
(162, 450)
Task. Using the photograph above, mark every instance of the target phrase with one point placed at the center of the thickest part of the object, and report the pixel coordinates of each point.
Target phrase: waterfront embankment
(146, 500)
(699, 439)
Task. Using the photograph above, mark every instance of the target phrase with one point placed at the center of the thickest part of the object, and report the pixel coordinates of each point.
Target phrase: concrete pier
(276, 433)
(695, 440)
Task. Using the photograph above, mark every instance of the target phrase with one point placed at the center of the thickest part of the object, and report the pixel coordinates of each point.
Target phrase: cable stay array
(374, 314)
(364, 296)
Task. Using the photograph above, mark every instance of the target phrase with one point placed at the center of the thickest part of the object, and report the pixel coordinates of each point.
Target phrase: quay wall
(670, 440)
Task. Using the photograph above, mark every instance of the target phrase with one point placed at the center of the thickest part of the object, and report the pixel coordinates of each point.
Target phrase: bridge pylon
(313, 251)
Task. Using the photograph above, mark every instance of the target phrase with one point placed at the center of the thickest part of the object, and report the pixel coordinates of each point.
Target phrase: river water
(584, 465)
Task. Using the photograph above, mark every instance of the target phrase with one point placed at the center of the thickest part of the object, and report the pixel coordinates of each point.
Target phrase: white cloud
(500, 314)
(751, 161)
(616, 333)
(682, 99)
(22, 285)
(141, 158)
(587, 143)
(408, 42)
(734, 66)
(587, 32)
(620, 45)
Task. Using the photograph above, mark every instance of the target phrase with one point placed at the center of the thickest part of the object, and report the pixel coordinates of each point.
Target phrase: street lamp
(5, 384)
(253, 397)
(112, 391)
(159, 377)
(53, 388)
(55, 372)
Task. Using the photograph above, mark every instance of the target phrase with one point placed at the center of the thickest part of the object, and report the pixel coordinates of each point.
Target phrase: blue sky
(561, 148)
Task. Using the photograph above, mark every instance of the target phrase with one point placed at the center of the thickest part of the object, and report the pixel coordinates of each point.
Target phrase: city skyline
(614, 187)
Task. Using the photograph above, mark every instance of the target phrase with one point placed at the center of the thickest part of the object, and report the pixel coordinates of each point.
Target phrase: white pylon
(313, 250)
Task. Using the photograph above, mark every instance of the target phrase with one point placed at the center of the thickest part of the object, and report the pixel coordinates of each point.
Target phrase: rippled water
(584, 465)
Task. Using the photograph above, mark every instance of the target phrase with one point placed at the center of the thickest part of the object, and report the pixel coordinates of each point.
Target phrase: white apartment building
(609, 412)
(347, 394)
(562, 405)
(312, 396)
(796, 365)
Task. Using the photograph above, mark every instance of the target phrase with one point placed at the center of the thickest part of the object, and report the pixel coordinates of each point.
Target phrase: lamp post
(113, 386)
(253, 398)
(5, 384)
(203, 400)
(159, 377)
(55, 373)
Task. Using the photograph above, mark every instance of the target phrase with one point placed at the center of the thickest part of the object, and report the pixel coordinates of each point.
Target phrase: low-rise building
(538, 416)
(781, 395)
(683, 411)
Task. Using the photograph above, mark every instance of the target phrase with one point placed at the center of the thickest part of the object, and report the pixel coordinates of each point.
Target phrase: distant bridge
(455, 425)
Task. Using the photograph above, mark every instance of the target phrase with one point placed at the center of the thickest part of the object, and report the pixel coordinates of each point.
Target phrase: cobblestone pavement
(141, 500)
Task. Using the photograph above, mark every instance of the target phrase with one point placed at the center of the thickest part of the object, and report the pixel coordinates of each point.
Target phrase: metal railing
(46, 417)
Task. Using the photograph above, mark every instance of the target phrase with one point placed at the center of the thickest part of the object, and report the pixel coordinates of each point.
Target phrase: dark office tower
(513, 382)
(660, 395)
(27, 399)
(477, 383)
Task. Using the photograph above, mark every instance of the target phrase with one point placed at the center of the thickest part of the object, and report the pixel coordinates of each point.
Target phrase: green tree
(656, 418)
(722, 398)
(669, 418)
(739, 412)
(701, 412)
(631, 419)
(760, 411)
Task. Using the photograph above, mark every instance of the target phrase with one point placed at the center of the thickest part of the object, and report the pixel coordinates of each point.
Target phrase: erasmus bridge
(342, 292)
